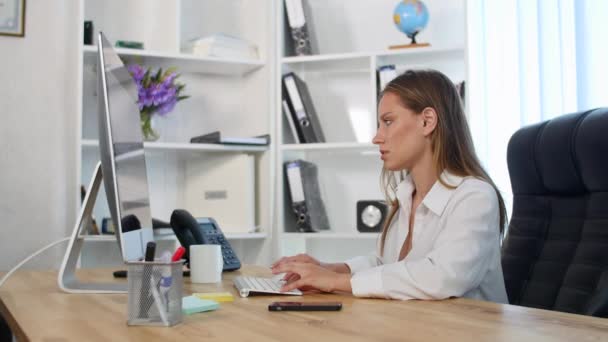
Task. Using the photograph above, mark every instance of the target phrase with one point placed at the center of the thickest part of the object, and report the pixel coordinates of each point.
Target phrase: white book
(212, 50)
(220, 45)
(244, 141)
(217, 138)
(220, 39)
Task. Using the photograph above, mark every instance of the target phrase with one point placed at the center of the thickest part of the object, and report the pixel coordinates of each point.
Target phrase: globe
(411, 17)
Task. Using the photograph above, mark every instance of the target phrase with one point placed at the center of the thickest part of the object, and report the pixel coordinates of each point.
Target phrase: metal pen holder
(155, 293)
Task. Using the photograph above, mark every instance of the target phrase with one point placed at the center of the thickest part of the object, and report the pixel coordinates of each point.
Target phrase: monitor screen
(123, 160)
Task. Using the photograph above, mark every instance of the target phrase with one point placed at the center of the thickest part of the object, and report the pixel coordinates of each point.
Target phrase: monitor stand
(67, 274)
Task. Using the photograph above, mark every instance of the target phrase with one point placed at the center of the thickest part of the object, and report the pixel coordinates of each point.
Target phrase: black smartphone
(305, 306)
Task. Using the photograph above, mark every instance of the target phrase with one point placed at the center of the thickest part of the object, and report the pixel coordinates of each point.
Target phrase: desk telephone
(191, 231)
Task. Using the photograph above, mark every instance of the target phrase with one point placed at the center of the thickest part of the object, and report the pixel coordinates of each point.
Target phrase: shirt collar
(437, 198)
(405, 190)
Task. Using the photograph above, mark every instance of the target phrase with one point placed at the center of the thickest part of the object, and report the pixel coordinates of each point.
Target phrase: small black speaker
(88, 32)
(371, 215)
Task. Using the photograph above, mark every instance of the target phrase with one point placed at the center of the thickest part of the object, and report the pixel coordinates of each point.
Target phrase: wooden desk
(37, 310)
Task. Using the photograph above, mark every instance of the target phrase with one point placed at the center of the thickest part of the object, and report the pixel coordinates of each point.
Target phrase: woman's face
(400, 135)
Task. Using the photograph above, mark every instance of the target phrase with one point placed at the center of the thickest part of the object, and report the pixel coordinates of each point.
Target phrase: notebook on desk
(257, 285)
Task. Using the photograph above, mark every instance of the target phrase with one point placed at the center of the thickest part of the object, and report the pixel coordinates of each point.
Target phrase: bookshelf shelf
(225, 93)
(346, 146)
(324, 58)
(342, 81)
(99, 238)
(430, 50)
(89, 143)
(312, 236)
(184, 62)
(229, 236)
(186, 147)
(341, 89)
(388, 53)
(171, 237)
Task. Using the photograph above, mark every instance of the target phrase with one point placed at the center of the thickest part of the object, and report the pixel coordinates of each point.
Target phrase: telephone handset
(191, 231)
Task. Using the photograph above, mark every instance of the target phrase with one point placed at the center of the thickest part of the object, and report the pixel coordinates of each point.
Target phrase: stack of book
(217, 138)
(221, 45)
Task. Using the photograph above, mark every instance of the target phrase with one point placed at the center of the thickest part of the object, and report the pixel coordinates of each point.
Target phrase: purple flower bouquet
(157, 94)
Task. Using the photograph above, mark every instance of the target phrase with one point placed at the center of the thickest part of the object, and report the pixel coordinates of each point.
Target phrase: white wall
(38, 117)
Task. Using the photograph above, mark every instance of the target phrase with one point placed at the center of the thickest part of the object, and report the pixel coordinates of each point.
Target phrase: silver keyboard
(247, 285)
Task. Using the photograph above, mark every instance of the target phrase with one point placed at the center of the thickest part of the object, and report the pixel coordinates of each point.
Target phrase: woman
(442, 236)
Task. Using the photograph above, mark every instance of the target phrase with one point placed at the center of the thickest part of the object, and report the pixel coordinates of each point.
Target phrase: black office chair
(5, 331)
(555, 255)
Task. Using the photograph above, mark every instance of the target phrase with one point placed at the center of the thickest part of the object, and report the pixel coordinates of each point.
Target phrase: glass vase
(149, 127)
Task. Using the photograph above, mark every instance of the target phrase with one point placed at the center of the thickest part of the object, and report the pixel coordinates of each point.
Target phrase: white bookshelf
(345, 146)
(429, 52)
(352, 43)
(184, 62)
(229, 236)
(187, 147)
(242, 98)
(225, 93)
(171, 237)
(335, 236)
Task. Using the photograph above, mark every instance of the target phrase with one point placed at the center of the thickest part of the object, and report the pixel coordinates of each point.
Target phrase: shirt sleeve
(458, 262)
(364, 262)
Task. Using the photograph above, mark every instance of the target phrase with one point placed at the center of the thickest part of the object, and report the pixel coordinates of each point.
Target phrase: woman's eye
(388, 122)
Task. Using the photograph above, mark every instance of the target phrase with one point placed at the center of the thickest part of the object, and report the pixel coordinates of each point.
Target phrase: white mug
(206, 263)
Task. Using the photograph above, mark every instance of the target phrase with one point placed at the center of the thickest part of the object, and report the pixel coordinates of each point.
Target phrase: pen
(145, 285)
(150, 249)
(159, 304)
(179, 253)
(165, 279)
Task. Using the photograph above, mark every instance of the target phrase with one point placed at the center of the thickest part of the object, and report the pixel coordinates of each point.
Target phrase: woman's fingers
(279, 262)
(296, 258)
(290, 267)
(292, 286)
(296, 274)
(289, 277)
(283, 268)
(283, 260)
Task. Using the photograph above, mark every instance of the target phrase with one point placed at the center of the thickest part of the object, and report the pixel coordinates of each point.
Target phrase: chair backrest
(5, 331)
(555, 255)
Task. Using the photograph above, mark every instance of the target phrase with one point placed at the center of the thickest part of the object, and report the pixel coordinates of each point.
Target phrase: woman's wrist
(339, 267)
(342, 283)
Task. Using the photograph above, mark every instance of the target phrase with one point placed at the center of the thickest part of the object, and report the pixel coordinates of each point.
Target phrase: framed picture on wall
(12, 18)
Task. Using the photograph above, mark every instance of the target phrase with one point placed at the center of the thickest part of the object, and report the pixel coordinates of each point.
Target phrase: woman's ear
(429, 120)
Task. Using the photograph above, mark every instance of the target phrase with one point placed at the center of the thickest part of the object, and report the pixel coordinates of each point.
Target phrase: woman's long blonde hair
(451, 142)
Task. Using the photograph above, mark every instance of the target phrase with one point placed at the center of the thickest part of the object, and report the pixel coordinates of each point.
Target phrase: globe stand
(407, 46)
(413, 44)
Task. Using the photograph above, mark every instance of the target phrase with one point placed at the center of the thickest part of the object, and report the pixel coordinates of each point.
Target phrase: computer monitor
(123, 162)
(122, 170)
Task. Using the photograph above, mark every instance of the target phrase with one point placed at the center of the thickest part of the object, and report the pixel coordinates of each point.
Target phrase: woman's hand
(308, 274)
(300, 258)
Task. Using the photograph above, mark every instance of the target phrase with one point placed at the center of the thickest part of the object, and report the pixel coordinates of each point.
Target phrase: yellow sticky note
(216, 296)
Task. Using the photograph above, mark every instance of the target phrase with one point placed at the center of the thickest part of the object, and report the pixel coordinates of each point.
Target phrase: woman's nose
(378, 139)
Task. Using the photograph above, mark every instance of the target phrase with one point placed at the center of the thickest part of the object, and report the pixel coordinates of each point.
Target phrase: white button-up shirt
(455, 246)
